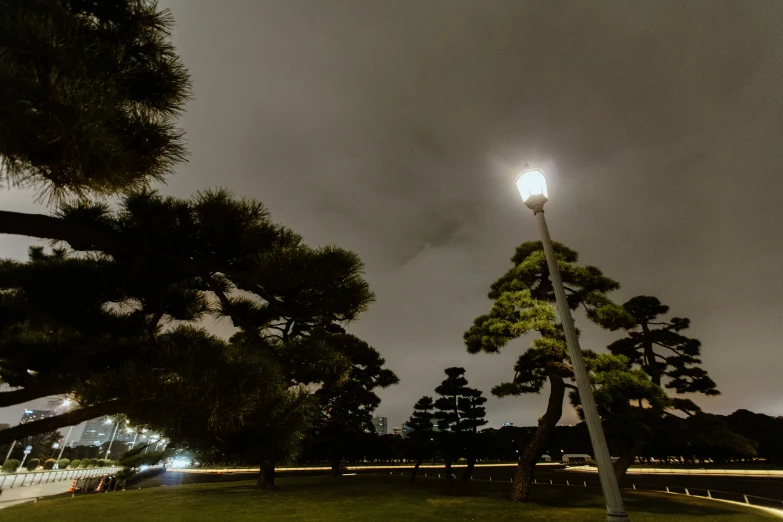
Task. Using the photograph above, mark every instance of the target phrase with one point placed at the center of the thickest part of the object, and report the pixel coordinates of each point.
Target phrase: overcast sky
(396, 129)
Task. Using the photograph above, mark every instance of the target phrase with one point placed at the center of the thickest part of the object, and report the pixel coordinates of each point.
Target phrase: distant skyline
(396, 129)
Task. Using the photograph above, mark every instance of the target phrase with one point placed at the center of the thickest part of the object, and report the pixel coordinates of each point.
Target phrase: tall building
(34, 415)
(381, 425)
(100, 430)
(96, 432)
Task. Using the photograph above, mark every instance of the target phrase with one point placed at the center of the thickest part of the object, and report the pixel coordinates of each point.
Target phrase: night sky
(396, 129)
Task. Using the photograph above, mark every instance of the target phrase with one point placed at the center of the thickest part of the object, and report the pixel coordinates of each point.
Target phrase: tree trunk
(626, 458)
(468, 474)
(448, 468)
(336, 467)
(649, 355)
(520, 489)
(267, 478)
(415, 470)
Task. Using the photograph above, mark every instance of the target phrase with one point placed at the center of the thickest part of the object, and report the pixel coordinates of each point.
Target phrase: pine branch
(71, 418)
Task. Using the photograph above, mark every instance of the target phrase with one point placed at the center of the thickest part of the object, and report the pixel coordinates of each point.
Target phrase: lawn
(367, 497)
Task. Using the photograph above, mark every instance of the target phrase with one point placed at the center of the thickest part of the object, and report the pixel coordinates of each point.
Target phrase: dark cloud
(396, 128)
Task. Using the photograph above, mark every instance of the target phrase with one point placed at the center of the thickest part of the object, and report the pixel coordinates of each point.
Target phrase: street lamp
(108, 450)
(532, 187)
(65, 404)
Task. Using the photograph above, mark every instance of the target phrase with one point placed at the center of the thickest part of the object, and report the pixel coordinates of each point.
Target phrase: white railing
(16, 480)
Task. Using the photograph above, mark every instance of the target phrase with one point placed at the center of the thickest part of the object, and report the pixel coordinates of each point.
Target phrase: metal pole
(108, 450)
(8, 455)
(60, 456)
(615, 511)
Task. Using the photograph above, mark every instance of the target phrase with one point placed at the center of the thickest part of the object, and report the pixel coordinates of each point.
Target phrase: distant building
(34, 415)
(100, 430)
(397, 431)
(406, 430)
(508, 424)
(381, 425)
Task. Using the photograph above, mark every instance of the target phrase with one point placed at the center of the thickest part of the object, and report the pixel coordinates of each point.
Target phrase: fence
(750, 500)
(16, 480)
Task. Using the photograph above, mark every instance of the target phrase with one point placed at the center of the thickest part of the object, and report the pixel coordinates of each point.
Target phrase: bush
(93, 463)
(74, 463)
(10, 465)
(84, 463)
(101, 463)
(32, 464)
(49, 463)
(63, 463)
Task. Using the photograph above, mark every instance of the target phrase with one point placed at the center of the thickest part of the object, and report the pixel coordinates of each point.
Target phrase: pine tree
(521, 304)
(472, 412)
(422, 434)
(111, 320)
(88, 95)
(459, 413)
(447, 414)
(657, 346)
(348, 403)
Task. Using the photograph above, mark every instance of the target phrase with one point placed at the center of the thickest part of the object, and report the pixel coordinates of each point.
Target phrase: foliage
(49, 464)
(130, 335)
(347, 402)
(101, 463)
(520, 305)
(134, 459)
(75, 463)
(422, 433)
(660, 349)
(84, 463)
(459, 412)
(63, 463)
(32, 464)
(10, 465)
(765, 430)
(88, 95)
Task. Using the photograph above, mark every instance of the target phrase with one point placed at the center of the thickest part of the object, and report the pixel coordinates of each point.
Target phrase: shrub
(49, 463)
(10, 465)
(101, 463)
(84, 463)
(63, 463)
(74, 463)
(93, 463)
(32, 464)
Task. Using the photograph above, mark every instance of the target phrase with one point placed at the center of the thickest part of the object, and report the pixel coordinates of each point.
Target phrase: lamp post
(108, 450)
(532, 187)
(66, 403)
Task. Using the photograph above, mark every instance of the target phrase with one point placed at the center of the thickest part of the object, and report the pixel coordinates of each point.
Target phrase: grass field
(367, 497)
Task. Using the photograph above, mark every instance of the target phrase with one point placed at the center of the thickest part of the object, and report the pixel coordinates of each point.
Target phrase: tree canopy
(89, 93)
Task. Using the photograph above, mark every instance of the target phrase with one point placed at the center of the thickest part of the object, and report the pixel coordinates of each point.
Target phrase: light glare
(532, 183)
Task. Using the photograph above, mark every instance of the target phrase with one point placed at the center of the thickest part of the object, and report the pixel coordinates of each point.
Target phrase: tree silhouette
(459, 412)
(422, 433)
(670, 359)
(657, 346)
